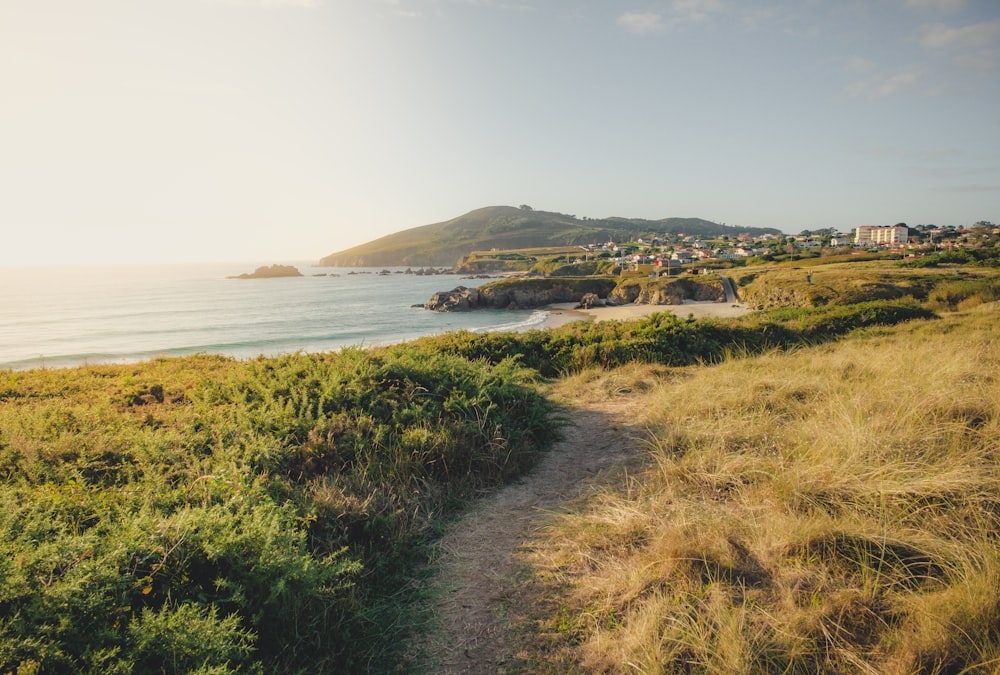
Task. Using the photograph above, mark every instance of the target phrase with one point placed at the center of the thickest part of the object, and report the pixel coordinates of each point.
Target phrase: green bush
(667, 339)
(212, 515)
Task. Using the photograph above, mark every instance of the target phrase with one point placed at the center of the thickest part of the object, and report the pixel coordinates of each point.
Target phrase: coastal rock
(590, 300)
(460, 299)
(665, 292)
(519, 294)
(270, 272)
(649, 295)
(529, 296)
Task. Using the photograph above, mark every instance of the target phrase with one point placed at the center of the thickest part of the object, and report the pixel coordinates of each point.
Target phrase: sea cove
(67, 316)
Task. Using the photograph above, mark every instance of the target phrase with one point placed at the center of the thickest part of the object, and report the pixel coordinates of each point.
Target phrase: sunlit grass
(832, 509)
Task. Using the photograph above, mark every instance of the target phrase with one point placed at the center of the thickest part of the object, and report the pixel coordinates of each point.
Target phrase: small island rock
(270, 272)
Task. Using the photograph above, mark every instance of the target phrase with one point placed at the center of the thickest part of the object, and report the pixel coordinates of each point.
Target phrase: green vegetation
(829, 509)
(841, 283)
(205, 514)
(811, 504)
(539, 261)
(507, 227)
(986, 256)
(664, 338)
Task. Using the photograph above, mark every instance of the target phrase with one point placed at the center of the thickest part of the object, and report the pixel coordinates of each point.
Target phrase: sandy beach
(563, 313)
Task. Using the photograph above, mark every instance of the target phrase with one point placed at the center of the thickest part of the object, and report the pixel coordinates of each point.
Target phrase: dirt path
(477, 567)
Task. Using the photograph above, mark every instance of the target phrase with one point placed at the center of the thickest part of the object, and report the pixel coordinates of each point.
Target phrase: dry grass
(834, 510)
(816, 282)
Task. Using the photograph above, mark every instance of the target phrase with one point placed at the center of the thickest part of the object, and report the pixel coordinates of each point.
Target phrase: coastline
(562, 313)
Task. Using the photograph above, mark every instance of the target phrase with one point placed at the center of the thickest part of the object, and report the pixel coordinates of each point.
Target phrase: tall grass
(964, 294)
(834, 509)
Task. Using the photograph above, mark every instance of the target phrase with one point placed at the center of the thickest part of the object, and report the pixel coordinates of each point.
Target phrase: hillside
(508, 227)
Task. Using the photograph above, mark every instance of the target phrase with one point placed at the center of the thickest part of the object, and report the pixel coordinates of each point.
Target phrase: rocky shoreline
(520, 294)
(587, 293)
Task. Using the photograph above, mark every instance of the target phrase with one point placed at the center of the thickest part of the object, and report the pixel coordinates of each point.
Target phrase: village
(665, 254)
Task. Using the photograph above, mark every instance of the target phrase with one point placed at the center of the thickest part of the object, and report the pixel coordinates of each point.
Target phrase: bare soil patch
(476, 571)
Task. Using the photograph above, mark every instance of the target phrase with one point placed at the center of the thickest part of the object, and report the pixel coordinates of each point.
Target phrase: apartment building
(875, 235)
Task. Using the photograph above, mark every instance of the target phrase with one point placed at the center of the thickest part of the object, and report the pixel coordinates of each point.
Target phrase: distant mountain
(509, 227)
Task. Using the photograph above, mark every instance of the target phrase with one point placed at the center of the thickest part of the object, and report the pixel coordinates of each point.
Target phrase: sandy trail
(477, 566)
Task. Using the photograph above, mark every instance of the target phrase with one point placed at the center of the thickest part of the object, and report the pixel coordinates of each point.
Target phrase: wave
(535, 320)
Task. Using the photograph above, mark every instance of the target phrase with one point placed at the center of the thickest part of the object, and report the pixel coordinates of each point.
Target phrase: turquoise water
(57, 317)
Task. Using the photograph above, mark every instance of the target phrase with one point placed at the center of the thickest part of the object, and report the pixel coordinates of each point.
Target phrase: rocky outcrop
(648, 295)
(459, 299)
(590, 300)
(666, 291)
(270, 272)
(531, 293)
(519, 294)
(587, 291)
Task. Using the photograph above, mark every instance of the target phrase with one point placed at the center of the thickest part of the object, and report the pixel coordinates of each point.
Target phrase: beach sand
(563, 313)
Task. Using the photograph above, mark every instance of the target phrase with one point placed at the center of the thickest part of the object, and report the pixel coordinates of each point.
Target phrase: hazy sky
(277, 130)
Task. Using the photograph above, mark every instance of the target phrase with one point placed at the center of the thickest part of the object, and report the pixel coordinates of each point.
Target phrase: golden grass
(836, 509)
(816, 282)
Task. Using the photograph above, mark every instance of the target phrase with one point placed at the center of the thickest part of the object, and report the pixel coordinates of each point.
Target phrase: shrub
(667, 339)
(206, 515)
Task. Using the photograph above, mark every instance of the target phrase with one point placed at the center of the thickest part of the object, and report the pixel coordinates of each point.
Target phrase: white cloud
(894, 83)
(859, 64)
(881, 87)
(680, 12)
(976, 35)
(641, 23)
(696, 10)
(974, 47)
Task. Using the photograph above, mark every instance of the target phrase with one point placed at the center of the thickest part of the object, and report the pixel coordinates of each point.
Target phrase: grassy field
(829, 509)
(820, 495)
(818, 282)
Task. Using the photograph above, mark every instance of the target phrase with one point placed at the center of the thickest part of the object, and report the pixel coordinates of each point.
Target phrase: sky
(154, 131)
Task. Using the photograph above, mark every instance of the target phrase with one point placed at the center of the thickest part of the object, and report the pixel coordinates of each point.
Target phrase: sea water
(58, 317)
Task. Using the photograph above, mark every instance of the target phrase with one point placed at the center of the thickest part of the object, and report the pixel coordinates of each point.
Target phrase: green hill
(508, 227)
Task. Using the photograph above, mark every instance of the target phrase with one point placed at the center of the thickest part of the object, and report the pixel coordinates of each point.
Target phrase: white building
(874, 235)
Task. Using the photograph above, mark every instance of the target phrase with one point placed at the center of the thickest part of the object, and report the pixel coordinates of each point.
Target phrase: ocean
(70, 316)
